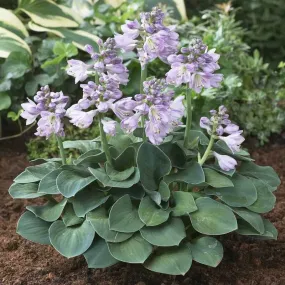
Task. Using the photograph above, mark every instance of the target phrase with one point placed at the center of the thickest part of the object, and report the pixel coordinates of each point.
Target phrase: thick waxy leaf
(253, 219)
(88, 200)
(69, 217)
(124, 216)
(34, 229)
(164, 191)
(174, 153)
(264, 173)
(26, 177)
(41, 170)
(192, 174)
(173, 260)
(49, 212)
(245, 228)
(11, 22)
(91, 158)
(126, 159)
(71, 241)
(82, 145)
(119, 175)
(100, 222)
(217, 168)
(48, 183)
(184, 203)
(207, 250)
(265, 199)
(120, 142)
(98, 255)
(70, 182)
(10, 42)
(5, 101)
(212, 217)
(40, 12)
(170, 233)
(216, 180)
(133, 250)
(102, 176)
(153, 165)
(25, 191)
(200, 136)
(151, 214)
(243, 193)
(136, 192)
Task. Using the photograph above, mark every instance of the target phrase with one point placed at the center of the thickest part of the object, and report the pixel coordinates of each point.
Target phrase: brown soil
(246, 262)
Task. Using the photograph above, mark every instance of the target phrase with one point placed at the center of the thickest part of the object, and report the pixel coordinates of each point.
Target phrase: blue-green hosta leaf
(252, 218)
(170, 233)
(69, 217)
(270, 232)
(98, 255)
(71, 182)
(216, 180)
(121, 142)
(136, 191)
(124, 216)
(11, 22)
(174, 153)
(48, 183)
(264, 173)
(24, 191)
(10, 42)
(41, 170)
(265, 199)
(82, 145)
(212, 217)
(172, 260)
(207, 250)
(5, 101)
(164, 191)
(151, 214)
(88, 200)
(49, 212)
(217, 168)
(119, 175)
(134, 250)
(71, 241)
(48, 14)
(192, 174)
(126, 159)
(26, 177)
(184, 203)
(100, 222)
(102, 176)
(243, 193)
(91, 158)
(32, 228)
(153, 165)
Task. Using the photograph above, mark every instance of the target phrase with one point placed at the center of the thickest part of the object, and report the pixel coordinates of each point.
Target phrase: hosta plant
(150, 189)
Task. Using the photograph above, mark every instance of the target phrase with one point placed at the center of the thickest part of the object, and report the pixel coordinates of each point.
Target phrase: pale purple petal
(226, 162)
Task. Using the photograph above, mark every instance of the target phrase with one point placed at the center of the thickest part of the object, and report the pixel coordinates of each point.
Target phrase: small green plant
(149, 190)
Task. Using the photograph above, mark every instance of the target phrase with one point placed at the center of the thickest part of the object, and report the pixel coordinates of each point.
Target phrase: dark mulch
(246, 262)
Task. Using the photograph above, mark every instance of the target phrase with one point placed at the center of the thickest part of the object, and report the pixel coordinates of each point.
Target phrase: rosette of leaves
(155, 205)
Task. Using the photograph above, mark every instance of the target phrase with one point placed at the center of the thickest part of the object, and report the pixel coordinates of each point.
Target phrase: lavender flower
(155, 105)
(151, 37)
(195, 66)
(109, 127)
(233, 141)
(77, 69)
(226, 162)
(50, 106)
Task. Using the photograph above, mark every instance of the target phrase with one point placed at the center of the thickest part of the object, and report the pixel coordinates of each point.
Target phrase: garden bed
(245, 262)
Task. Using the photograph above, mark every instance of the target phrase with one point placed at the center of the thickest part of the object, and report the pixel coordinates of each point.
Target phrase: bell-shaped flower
(226, 162)
(109, 127)
(77, 69)
(233, 141)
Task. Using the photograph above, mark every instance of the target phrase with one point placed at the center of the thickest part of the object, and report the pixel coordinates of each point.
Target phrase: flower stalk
(61, 150)
(202, 160)
(189, 117)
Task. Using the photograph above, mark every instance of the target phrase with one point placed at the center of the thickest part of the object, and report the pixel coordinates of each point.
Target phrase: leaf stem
(104, 141)
(18, 135)
(189, 117)
(61, 150)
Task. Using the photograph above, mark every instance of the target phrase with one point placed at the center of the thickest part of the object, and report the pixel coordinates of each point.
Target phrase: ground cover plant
(150, 189)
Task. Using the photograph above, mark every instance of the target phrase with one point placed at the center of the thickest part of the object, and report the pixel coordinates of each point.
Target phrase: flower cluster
(106, 61)
(151, 37)
(50, 106)
(195, 66)
(155, 108)
(101, 96)
(220, 127)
